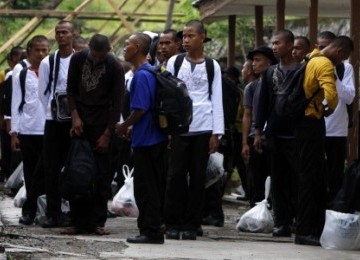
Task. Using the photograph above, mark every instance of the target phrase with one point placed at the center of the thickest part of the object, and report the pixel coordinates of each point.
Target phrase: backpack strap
(57, 68)
(340, 70)
(209, 64)
(22, 77)
(210, 71)
(51, 65)
(178, 62)
(23, 64)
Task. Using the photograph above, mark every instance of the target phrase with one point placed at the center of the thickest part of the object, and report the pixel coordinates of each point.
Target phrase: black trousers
(284, 178)
(31, 150)
(257, 172)
(310, 138)
(5, 153)
(185, 188)
(9, 159)
(335, 147)
(150, 165)
(121, 154)
(55, 149)
(91, 213)
(213, 200)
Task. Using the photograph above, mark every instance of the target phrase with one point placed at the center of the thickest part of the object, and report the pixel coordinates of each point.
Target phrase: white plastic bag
(123, 203)
(259, 218)
(215, 169)
(20, 197)
(16, 179)
(341, 231)
(41, 209)
(41, 206)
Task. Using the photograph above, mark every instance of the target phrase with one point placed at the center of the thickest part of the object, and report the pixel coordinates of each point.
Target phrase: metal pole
(170, 14)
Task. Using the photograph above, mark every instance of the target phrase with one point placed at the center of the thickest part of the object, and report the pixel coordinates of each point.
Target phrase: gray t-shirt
(251, 100)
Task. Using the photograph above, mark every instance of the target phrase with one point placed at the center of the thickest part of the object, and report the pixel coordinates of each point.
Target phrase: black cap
(265, 50)
(180, 36)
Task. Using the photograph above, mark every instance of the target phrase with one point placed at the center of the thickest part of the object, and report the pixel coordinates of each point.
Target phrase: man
(190, 152)
(27, 125)
(95, 88)
(257, 169)
(16, 55)
(310, 137)
(279, 133)
(337, 123)
(148, 143)
(301, 48)
(56, 134)
(79, 43)
(169, 44)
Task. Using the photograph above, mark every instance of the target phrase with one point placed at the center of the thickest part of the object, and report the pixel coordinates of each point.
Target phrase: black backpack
(173, 106)
(6, 93)
(340, 71)
(78, 179)
(290, 99)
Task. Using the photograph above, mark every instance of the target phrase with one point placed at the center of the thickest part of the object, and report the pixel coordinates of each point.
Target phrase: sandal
(100, 231)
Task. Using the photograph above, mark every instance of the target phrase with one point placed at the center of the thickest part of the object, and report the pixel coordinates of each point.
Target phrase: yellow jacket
(319, 73)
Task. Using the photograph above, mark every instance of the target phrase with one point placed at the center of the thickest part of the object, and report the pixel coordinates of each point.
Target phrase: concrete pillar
(313, 21)
(280, 14)
(259, 25)
(353, 143)
(231, 40)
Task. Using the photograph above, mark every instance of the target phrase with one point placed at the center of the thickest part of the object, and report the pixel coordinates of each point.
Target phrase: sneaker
(26, 220)
(282, 231)
(189, 235)
(172, 233)
(142, 239)
(50, 223)
(239, 190)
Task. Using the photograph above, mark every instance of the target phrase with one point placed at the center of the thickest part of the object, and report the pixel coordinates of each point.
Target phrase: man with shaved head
(148, 143)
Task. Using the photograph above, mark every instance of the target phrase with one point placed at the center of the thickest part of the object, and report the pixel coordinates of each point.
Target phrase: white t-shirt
(31, 120)
(337, 122)
(61, 84)
(208, 113)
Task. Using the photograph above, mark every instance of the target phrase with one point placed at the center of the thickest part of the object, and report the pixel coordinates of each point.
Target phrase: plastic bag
(20, 197)
(16, 179)
(341, 231)
(41, 208)
(124, 203)
(259, 218)
(215, 169)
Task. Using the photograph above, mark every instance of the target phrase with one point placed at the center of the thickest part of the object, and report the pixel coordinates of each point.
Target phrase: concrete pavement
(23, 242)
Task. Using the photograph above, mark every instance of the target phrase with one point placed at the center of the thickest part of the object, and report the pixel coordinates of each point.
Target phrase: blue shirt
(142, 97)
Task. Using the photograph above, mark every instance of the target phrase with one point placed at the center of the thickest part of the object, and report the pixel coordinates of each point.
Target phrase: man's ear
(203, 36)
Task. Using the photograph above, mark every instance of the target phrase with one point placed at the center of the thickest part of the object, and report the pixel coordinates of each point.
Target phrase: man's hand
(257, 143)
(15, 143)
(213, 144)
(245, 152)
(102, 144)
(77, 124)
(123, 131)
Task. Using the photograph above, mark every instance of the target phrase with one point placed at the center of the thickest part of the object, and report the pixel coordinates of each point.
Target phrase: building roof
(211, 10)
